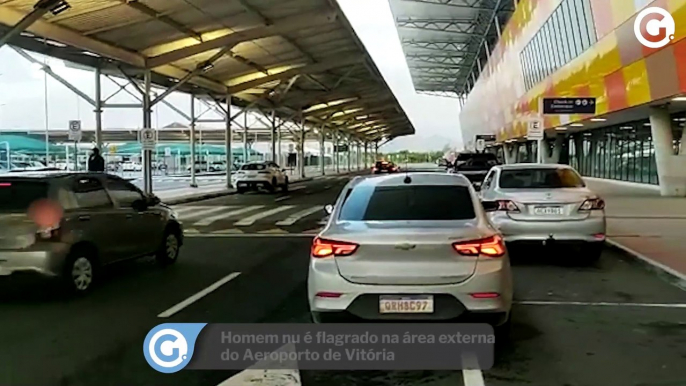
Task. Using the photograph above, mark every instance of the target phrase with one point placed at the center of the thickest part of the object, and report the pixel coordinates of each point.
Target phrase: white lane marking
(184, 209)
(180, 306)
(202, 212)
(295, 188)
(247, 235)
(251, 219)
(267, 373)
(600, 304)
(471, 374)
(282, 198)
(292, 219)
(209, 220)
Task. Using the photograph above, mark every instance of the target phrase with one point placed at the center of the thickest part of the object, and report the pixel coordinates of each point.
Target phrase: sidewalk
(188, 194)
(646, 225)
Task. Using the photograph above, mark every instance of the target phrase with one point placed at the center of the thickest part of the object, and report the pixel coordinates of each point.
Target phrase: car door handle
(84, 218)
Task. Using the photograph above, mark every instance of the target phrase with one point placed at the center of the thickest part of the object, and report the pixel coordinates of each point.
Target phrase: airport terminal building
(582, 48)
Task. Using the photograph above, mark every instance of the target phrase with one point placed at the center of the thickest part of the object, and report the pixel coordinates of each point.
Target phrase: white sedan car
(545, 204)
(255, 175)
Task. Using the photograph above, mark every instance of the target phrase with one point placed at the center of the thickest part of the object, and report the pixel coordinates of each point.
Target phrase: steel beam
(280, 27)
(147, 123)
(122, 105)
(307, 69)
(98, 108)
(43, 28)
(473, 5)
(58, 78)
(227, 142)
(194, 184)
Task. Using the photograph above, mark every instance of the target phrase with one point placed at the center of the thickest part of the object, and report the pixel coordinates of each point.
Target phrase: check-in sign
(564, 106)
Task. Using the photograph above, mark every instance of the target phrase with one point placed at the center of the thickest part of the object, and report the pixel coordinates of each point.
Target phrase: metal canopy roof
(446, 41)
(291, 56)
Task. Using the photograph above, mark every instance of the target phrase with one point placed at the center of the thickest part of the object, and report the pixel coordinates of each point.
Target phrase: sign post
(535, 132)
(75, 135)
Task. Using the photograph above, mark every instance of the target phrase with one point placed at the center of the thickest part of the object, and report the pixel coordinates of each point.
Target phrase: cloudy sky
(436, 119)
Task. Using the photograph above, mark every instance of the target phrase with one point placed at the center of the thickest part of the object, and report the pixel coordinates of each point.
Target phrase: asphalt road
(610, 324)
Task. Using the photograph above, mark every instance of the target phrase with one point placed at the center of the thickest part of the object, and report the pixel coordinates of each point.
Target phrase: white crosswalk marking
(205, 212)
(251, 219)
(185, 209)
(209, 220)
(292, 219)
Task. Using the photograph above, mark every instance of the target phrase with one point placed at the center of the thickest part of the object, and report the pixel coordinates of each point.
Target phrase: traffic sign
(148, 138)
(113, 149)
(480, 144)
(167, 151)
(575, 105)
(75, 131)
(535, 129)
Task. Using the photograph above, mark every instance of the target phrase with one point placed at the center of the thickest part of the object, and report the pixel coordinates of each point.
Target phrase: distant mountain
(422, 143)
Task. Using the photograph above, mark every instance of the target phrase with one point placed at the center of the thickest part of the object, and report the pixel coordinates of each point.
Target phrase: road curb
(669, 274)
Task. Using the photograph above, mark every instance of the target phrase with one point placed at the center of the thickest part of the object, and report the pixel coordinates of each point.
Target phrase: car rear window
(254, 167)
(408, 203)
(540, 179)
(17, 196)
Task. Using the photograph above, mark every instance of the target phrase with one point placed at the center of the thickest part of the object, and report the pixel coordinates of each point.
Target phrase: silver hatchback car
(544, 204)
(69, 225)
(415, 246)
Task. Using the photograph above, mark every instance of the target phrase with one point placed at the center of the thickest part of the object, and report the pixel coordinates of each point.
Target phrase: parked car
(255, 175)
(415, 246)
(131, 167)
(69, 226)
(545, 204)
(384, 167)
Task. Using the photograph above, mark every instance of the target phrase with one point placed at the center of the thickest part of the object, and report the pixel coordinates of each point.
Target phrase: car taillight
(507, 206)
(593, 204)
(49, 234)
(492, 246)
(327, 248)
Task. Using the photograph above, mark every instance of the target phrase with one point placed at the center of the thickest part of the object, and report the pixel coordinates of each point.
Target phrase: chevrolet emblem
(405, 247)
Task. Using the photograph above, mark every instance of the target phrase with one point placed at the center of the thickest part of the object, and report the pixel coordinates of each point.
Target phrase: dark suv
(384, 167)
(475, 166)
(69, 225)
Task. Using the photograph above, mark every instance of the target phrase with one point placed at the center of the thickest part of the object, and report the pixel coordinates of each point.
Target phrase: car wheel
(79, 272)
(272, 186)
(592, 252)
(284, 187)
(502, 332)
(169, 250)
(240, 190)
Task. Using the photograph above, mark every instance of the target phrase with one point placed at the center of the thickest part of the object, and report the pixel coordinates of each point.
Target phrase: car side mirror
(328, 209)
(153, 200)
(490, 206)
(139, 205)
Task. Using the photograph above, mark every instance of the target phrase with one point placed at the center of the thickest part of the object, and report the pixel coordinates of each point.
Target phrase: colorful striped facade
(616, 69)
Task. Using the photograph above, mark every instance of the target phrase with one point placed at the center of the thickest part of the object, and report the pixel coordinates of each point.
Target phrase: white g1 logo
(654, 27)
(168, 348)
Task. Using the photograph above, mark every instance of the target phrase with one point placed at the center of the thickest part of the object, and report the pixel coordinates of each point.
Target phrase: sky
(436, 119)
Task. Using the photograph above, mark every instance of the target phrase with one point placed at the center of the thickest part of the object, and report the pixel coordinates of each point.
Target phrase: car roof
(526, 166)
(430, 178)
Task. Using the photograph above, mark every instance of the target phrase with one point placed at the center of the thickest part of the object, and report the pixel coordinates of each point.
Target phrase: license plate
(406, 304)
(548, 210)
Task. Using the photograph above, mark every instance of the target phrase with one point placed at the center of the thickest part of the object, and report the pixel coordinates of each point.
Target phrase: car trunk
(406, 253)
(548, 204)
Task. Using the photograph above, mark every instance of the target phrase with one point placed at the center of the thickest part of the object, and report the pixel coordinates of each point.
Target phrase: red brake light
(492, 246)
(5, 184)
(507, 206)
(593, 204)
(326, 248)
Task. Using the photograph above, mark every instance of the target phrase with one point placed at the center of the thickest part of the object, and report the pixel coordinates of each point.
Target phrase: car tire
(502, 332)
(272, 186)
(284, 187)
(592, 252)
(240, 190)
(80, 271)
(168, 252)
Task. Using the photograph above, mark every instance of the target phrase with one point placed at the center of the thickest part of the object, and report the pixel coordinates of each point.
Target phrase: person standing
(95, 162)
